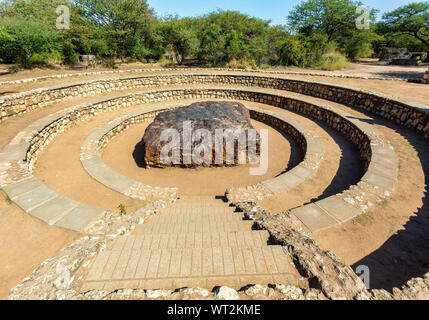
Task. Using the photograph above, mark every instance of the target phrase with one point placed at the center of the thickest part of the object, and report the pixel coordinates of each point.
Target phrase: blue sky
(274, 10)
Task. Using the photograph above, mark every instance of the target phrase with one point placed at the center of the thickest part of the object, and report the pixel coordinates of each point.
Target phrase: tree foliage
(319, 32)
(27, 41)
(411, 20)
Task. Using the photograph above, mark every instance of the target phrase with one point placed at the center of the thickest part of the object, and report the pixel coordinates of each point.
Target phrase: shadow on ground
(411, 76)
(406, 254)
(139, 154)
(351, 167)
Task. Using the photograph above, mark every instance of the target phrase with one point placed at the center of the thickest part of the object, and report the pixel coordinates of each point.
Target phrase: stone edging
(82, 74)
(406, 113)
(93, 164)
(313, 155)
(96, 168)
(380, 160)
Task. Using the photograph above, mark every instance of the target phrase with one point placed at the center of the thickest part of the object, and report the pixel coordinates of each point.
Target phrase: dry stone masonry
(380, 161)
(402, 112)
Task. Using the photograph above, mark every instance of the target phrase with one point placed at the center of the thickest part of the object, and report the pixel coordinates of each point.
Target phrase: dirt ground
(392, 239)
(25, 243)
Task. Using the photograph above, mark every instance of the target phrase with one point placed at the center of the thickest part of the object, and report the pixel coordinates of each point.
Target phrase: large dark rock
(211, 116)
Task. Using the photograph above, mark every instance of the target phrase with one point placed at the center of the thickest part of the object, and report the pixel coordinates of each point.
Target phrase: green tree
(127, 25)
(411, 20)
(292, 52)
(22, 41)
(180, 34)
(333, 17)
(337, 20)
(227, 35)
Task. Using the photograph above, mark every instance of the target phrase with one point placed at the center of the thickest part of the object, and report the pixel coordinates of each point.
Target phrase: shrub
(241, 64)
(292, 52)
(27, 42)
(333, 61)
(69, 53)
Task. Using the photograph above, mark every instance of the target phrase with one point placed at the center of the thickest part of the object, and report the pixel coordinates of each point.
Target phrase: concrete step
(194, 217)
(207, 204)
(198, 210)
(205, 226)
(249, 239)
(199, 198)
(200, 267)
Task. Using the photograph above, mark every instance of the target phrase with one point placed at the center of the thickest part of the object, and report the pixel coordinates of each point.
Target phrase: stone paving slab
(314, 146)
(12, 156)
(250, 239)
(19, 188)
(195, 217)
(205, 206)
(169, 264)
(385, 170)
(54, 210)
(234, 282)
(380, 181)
(90, 163)
(110, 178)
(215, 210)
(16, 148)
(195, 227)
(79, 218)
(301, 172)
(338, 208)
(161, 258)
(34, 198)
(283, 183)
(390, 163)
(314, 218)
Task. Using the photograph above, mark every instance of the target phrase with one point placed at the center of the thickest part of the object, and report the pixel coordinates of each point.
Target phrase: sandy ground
(371, 68)
(25, 243)
(363, 68)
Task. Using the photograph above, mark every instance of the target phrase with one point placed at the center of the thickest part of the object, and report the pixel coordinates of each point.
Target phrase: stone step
(194, 227)
(186, 267)
(249, 239)
(199, 198)
(194, 217)
(234, 282)
(198, 210)
(207, 204)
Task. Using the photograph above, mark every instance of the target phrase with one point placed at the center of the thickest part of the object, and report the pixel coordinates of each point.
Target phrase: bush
(292, 52)
(140, 52)
(333, 61)
(241, 64)
(27, 42)
(70, 55)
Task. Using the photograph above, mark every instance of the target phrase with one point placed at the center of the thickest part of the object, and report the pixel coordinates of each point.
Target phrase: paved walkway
(197, 242)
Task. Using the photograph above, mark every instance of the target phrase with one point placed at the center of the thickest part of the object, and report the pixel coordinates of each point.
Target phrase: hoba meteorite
(206, 134)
